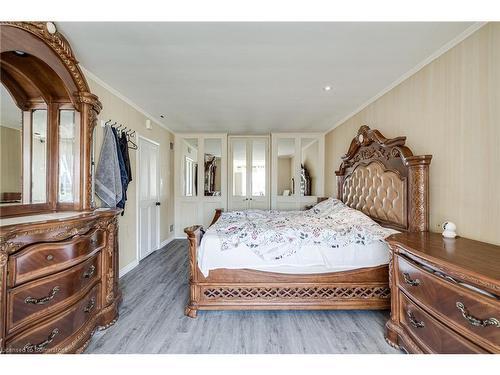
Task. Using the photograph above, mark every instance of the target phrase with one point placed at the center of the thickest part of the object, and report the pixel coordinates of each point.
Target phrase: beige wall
(118, 110)
(450, 109)
(10, 160)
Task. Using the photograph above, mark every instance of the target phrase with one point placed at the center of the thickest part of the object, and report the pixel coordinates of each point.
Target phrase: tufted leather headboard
(382, 178)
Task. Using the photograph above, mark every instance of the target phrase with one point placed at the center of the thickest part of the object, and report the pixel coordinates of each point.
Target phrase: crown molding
(118, 94)
(441, 51)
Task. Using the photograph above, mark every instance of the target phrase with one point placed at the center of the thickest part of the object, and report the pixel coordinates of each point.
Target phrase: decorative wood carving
(235, 289)
(60, 46)
(357, 289)
(370, 145)
(103, 253)
(60, 64)
(430, 276)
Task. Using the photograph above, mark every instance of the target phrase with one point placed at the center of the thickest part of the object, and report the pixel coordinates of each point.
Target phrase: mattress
(308, 260)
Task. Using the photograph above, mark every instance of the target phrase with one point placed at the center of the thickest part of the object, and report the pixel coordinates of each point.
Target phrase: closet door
(200, 179)
(249, 173)
(297, 170)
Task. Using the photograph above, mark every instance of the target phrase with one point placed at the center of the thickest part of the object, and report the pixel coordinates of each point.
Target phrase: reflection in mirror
(239, 168)
(190, 166)
(39, 156)
(258, 168)
(309, 166)
(212, 159)
(11, 150)
(286, 166)
(67, 135)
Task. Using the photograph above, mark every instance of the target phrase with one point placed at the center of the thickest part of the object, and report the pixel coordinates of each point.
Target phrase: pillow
(326, 207)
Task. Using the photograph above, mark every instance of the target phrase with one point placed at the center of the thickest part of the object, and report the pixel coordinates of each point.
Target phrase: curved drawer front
(41, 297)
(432, 335)
(46, 337)
(471, 312)
(46, 258)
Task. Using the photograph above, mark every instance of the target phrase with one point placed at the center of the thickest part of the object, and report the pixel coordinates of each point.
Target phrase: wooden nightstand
(444, 294)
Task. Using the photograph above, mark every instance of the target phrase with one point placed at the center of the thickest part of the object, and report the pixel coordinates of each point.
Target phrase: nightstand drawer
(429, 334)
(472, 313)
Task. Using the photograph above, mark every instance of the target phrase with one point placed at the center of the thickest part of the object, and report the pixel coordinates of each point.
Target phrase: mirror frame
(41, 41)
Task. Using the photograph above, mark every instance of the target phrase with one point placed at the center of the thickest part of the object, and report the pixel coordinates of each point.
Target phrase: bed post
(418, 215)
(194, 234)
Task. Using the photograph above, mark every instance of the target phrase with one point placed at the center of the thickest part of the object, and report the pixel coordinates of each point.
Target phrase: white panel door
(249, 173)
(149, 193)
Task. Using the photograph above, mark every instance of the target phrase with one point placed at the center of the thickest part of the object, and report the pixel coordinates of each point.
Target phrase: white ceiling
(253, 77)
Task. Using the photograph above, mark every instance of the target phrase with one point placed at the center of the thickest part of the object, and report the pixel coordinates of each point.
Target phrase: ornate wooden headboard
(382, 178)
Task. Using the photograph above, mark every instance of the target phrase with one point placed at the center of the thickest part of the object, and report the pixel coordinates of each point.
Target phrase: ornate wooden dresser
(58, 282)
(58, 256)
(445, 294)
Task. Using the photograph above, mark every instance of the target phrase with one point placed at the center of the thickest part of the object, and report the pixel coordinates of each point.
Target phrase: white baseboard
(166, 242)
(129, 267)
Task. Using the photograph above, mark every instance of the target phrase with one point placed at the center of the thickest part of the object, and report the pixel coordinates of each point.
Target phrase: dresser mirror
(46, 124)
(11, 151)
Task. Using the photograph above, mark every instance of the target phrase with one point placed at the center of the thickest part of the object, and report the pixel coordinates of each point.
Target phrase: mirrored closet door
(297, 177)
(249, 172)
(201, 178)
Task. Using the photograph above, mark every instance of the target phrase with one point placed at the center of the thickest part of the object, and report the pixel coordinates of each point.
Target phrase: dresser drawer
(46, 337)
(431, 335)
(39, 298)
(473, 314)
(46, 258)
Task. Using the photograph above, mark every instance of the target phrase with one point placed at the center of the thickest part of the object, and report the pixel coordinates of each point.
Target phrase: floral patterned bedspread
(330, 223)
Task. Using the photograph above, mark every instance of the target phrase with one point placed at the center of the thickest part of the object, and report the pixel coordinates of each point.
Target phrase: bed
(382, 187)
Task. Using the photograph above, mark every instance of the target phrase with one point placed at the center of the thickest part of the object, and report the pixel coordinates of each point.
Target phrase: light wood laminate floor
(152, 320)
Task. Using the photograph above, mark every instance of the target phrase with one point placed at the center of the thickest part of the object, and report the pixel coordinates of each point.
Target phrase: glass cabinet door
(239, 168)
(249, 175)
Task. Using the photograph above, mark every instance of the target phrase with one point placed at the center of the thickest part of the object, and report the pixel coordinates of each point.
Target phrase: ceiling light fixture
(327, 88)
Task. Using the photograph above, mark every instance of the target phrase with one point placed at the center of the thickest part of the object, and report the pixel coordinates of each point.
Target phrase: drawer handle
(43, 300)
(90, 305)
(414, 322)
(90, 272)
(409, 280)
(37, 348)
(475, 321)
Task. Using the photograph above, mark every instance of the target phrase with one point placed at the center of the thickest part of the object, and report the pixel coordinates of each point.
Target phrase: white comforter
(329, 237)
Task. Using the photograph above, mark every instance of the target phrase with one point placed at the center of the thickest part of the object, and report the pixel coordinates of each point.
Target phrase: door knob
(158, 203)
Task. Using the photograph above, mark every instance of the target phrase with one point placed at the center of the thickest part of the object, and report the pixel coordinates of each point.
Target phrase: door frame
(137, 198)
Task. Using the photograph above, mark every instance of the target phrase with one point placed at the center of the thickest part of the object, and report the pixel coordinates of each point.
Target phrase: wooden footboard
(244, 289)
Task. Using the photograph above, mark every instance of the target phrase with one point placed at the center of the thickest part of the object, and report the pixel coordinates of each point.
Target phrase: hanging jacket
(123, 171)
(126, 156)
(108, 183)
